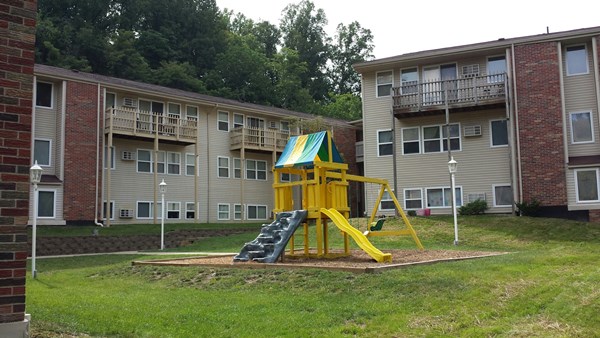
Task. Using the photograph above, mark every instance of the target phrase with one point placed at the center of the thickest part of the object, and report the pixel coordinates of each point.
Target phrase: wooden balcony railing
(258, 139)
(133, 122)
(472, 91)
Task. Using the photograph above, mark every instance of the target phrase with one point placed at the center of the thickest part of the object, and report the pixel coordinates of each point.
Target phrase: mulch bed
(358, 261)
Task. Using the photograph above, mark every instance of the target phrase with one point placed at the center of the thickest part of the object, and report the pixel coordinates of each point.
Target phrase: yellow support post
(404, 218)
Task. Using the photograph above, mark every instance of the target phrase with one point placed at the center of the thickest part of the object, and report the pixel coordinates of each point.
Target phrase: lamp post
(35, 176)
(162, 187)
(452, 167)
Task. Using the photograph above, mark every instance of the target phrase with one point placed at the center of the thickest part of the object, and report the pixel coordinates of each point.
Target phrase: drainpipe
(516, 111)
(510, 129)
(96, 222)
(394, 155)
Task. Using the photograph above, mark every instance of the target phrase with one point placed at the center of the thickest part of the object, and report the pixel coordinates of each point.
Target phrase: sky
(402, 26)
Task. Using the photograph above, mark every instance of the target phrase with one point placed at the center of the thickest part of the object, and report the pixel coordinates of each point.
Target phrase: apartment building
(106, 144)
(519, 115)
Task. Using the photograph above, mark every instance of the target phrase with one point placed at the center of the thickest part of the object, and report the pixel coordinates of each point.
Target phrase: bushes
(477, 207)
(529, 208)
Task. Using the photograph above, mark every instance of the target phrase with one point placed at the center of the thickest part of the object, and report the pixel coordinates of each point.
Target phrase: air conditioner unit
(127, 156)
(272, 125)
(471, 131)
(475, 196)
(470, 71)
(125, 213)
(129, 102)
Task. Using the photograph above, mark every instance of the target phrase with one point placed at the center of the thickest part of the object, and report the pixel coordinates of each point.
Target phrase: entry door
(256, 128)
(449, 77)
(431, 85)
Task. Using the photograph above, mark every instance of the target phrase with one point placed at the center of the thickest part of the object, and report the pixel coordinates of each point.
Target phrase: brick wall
(540, 123)
(17, 38)
(80, 152)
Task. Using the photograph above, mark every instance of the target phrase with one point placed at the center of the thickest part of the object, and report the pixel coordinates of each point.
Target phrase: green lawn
(547, 287)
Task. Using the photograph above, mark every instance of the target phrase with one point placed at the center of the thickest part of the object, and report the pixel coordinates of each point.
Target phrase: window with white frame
(586, 185)
(46, 203)
(106, 210)
(442, 197)
(144, 161)
(387, 203)
(284, 126)
(174, 109)
(435, 140)
(384, 83)
(413, 199)
(503, 196)
(42, 150)
(411, 143)
(499, 133)
(223, 167)
(145, 210)
(160, 165)
(190, 164)
(223, 121)
(256, 212)
(110, 101)
(174, 163)
(173, 210)
(44, 94)
(237, 168)
(576, 60)
(191, 113)
(223, 212)
(237, 212)
(581, 127)
(109, 155)
(238, 120)
(190, 211)
(409, 81)
(256, 170)
(384, 143)
(496, 67)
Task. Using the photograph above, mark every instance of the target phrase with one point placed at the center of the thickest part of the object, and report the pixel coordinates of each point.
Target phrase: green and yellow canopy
(304, 150)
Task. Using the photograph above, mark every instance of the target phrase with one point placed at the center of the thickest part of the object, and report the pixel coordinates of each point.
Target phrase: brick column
(17, 38)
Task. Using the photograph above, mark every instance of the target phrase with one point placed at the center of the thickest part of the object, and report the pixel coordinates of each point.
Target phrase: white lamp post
(162, 187)
(452, 167)
(35, 176)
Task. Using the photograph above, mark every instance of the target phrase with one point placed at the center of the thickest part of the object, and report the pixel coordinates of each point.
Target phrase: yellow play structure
(318, 169)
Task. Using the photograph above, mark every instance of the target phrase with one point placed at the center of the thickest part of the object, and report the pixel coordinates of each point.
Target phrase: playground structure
(316, 167)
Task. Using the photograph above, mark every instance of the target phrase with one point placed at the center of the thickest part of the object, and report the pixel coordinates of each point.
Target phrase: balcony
(133, 123)
(256, 139)
(429, 98)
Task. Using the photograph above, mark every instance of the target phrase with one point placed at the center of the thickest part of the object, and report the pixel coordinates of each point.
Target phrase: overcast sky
(402, 27)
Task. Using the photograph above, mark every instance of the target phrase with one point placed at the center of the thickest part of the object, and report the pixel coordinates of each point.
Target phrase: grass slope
(547, 287)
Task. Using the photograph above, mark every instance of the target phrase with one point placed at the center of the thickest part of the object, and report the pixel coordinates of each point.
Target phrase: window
(410, 141)
(503, 195)
(190, 213)
(110, 101)
(145, 210)
(413, 198)
(576, 60)
(144, 161)
(46, 203)
(223, 121)
(106, 211)
(173, 210)
(499, 133)
(384, 143)
(256, 170)
(442, 197)
(387, 203)
(160, 165)
(190, 164)
(435, 140)
(191, 113)
(41, 151)
(285, 177)
(223, 212)
(111, 157)
(44, 94)
(174, 163)
(256, 123)
(586, 185)
(237, 212)
(237, 168)
(496, 67)
(284, 126)
(223, 167)
(581, 127)
(238, 120)
(174, 109)
(384, 83)
(409, 81)
(256, 212)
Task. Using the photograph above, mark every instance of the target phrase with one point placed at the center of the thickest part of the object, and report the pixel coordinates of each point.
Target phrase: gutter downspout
(516, 110)
(563, 108)
(510, 129)
(96, 222)
(33, 192)
(394, 155)
(596, 72)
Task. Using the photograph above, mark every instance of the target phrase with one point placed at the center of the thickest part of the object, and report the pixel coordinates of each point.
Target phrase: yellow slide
(360, 239)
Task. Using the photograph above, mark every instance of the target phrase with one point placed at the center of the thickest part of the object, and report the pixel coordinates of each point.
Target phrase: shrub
(411, 213)
(526, 208)
(477, 207)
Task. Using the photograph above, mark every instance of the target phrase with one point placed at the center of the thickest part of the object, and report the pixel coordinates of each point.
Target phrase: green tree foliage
(352, 44)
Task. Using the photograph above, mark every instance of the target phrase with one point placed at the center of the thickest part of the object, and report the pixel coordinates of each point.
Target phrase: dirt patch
(357, 261)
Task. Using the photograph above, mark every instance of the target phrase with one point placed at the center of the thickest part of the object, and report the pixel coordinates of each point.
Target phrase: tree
(344, 106)
(288, 90)
(353, 44)
(178, 75)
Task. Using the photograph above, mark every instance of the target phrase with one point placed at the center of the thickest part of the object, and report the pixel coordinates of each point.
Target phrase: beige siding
(58, 218)
(48, 126)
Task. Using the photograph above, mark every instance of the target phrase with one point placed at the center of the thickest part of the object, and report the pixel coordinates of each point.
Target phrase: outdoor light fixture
(35, 176)
(162, 187)
(452, 167)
